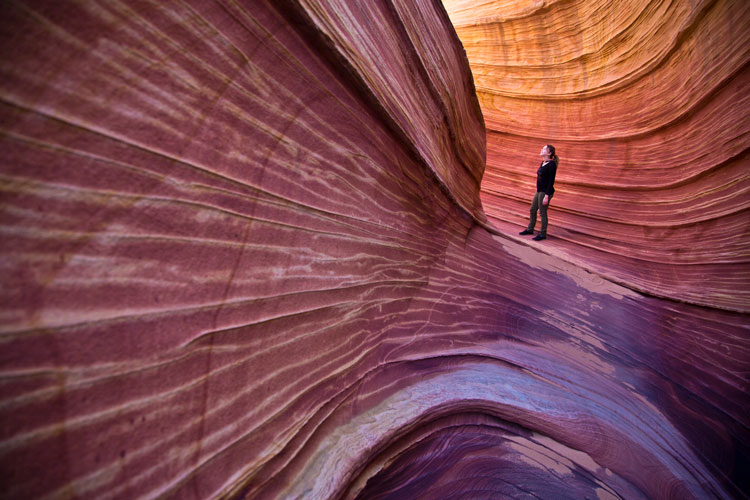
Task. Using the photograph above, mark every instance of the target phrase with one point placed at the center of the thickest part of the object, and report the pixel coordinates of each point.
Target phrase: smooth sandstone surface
(245, 254)
(647, 104)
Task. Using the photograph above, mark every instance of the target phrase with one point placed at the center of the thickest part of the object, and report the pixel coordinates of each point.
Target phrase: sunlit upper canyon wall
(647, 103)
(268, 250)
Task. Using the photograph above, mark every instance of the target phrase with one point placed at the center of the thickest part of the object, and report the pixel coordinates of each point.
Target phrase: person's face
(544, 151)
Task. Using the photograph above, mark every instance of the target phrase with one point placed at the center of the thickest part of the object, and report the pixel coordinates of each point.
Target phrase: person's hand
(545, 201)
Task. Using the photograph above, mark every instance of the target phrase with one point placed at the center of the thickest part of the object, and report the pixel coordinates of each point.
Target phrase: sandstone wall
(244, 255)
(646, 103)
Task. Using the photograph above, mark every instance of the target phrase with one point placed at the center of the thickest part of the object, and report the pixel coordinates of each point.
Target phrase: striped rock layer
(244, 252)
(646, 103)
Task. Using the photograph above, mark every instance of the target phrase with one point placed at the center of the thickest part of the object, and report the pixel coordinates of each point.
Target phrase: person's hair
(552, 154)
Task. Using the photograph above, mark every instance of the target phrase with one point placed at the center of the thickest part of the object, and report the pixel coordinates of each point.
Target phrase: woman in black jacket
(545, 182)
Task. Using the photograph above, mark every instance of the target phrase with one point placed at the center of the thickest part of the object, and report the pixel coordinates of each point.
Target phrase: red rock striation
(646, 103)
(244, 255)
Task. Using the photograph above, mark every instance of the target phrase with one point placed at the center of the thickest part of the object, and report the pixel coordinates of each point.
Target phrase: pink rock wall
(244, 255)
(646, 102)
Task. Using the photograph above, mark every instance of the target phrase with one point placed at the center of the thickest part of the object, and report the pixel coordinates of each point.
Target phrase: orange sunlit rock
(646, 103)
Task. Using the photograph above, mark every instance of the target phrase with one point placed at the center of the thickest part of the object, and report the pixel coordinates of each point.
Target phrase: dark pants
(536, 204)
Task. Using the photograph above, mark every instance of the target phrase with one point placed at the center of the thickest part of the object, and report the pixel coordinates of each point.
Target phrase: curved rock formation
(244, 255)
(646, 103)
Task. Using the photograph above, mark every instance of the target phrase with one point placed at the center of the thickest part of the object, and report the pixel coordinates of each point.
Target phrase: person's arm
(549, 177)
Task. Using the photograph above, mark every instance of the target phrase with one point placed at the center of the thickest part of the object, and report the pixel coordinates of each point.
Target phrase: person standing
(545, 188)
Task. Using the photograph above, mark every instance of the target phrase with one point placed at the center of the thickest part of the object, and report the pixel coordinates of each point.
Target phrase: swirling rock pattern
(646, 103)
(244, 255)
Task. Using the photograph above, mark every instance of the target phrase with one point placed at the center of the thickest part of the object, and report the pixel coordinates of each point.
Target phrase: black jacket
(545, 178)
